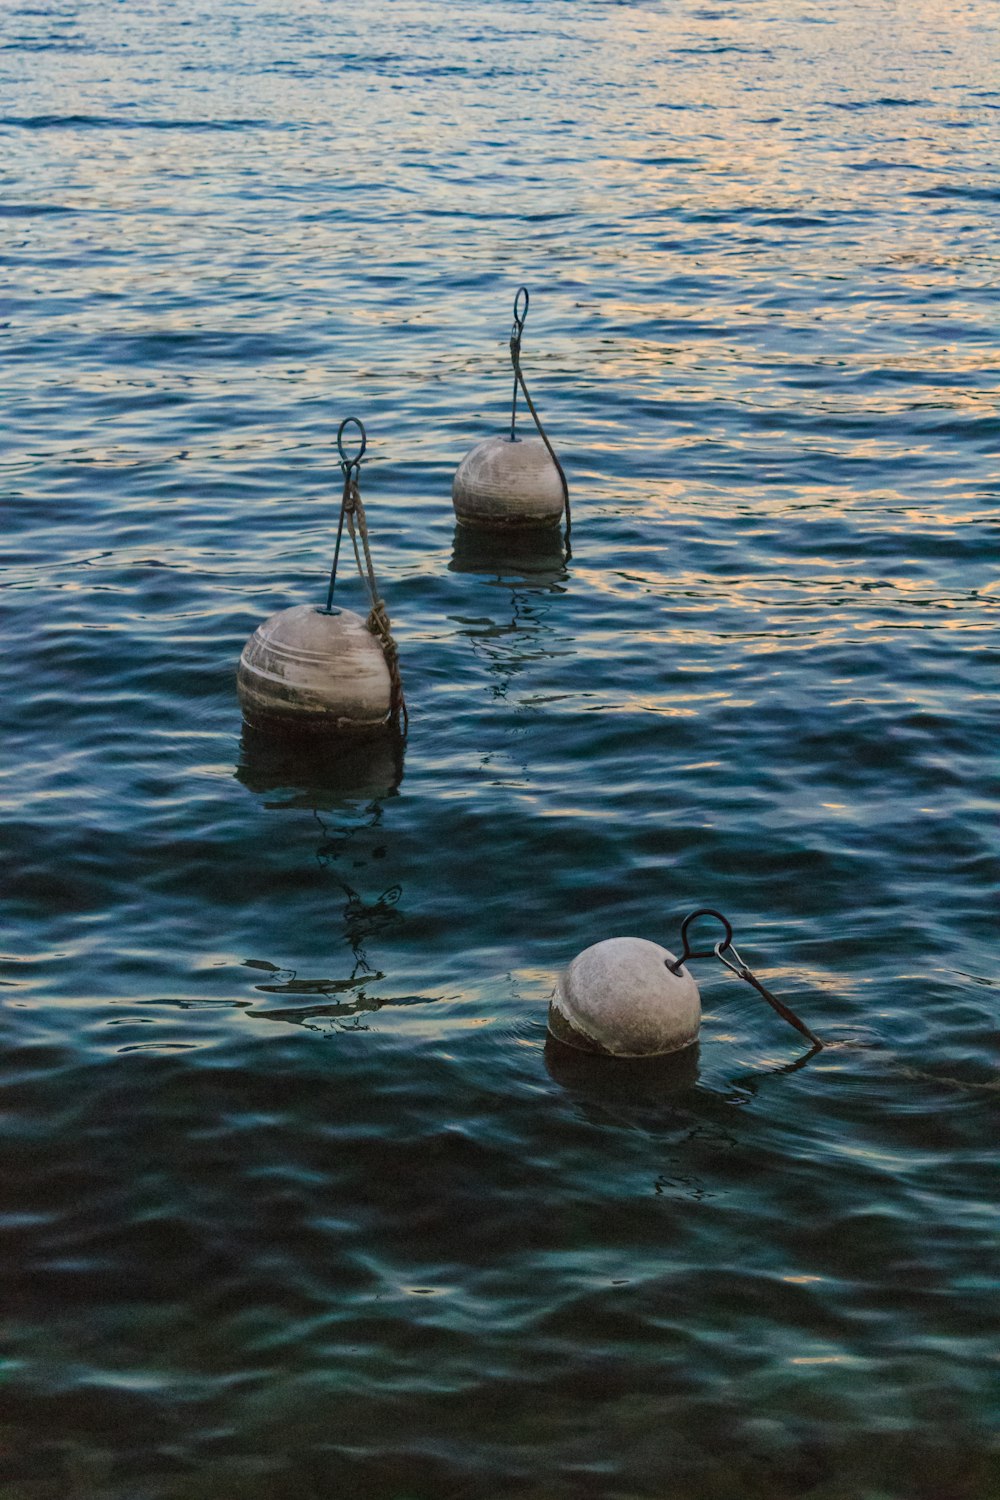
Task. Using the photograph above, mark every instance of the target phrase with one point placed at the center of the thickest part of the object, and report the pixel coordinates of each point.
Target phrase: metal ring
(350, 463)
(703, 911)
(519, 317)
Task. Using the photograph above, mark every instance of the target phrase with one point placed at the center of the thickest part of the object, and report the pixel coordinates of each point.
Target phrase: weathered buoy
(510, 481)
(620, 997)
(627, 997)
(315, 670)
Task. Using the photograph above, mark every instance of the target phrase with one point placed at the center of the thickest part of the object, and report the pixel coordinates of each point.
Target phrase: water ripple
(297, 1197)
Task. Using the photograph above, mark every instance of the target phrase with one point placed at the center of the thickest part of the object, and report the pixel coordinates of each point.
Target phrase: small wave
(125, 122)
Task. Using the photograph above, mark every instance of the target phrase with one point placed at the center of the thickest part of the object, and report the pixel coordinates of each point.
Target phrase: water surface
(295, 1198)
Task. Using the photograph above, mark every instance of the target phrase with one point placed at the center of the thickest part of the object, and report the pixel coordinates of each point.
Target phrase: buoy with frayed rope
(511, 481)
(628, 997)
(310, 670)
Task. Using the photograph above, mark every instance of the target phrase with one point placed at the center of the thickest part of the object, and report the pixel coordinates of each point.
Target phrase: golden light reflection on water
(823, 1359)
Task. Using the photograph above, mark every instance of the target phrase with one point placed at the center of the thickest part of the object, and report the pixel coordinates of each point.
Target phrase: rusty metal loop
(736, 965)
(689, 952)
(351, 463)
(519, 317)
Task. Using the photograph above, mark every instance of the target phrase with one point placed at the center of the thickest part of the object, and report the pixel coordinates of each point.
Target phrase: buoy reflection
(539, 555)
(323, 770)
(631, 1089)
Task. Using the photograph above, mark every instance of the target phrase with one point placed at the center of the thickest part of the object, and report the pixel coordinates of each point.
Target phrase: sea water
(296, 1201)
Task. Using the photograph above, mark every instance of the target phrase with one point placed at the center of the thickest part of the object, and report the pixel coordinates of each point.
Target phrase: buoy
(510, 481)
(311, 669)
(621, 997)
(307, 668)
(627, 997)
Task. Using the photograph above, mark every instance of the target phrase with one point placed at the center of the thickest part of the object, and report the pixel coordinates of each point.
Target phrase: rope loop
(378, 616)
(352, 511)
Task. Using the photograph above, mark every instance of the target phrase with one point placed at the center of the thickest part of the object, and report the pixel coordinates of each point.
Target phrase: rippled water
(295, 1199)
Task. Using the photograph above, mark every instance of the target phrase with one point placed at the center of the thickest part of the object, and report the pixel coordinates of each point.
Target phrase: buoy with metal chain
(627, 997)
(513, 481)
(309, 670)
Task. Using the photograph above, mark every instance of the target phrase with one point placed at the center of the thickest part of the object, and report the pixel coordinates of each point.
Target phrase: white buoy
(327, 669)
(314, 669)
(511, 481)
(620, 998)
(627, 997)
(505, 483)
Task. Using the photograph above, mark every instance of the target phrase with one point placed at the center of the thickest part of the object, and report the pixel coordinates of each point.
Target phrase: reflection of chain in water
(364, 920)
(508, 649)
(748, 1083)
(335, 843)
(687, 1187)
(331, 1004)
(291, 984)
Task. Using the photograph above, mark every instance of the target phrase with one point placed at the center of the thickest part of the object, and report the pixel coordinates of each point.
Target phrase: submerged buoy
(510, 481)
(327, 669)
(620, 997)
(627, 997)
(306, 668)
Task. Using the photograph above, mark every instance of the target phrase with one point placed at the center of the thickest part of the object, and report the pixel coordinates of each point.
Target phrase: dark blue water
(295, 1201)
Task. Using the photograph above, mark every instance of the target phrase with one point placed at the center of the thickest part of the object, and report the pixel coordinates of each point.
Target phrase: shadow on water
(537, 556)
(651, 1093)
(321, 772)
(634, 1091)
